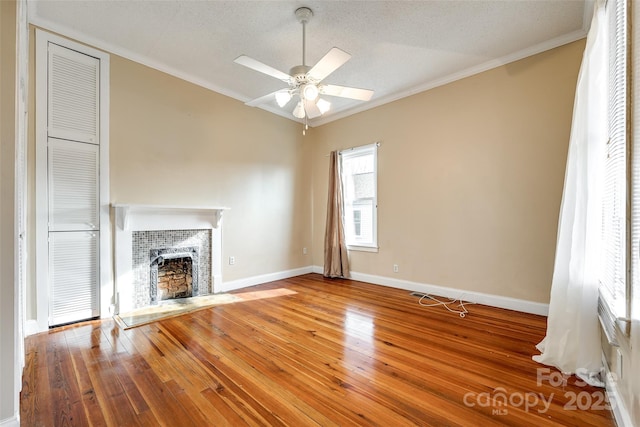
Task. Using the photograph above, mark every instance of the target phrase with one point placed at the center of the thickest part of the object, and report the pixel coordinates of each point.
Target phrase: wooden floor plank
(342, 374)
(272, 361)
(243, 384)
(91, 406)
(110, 393)
(326, 352)
(36, 404)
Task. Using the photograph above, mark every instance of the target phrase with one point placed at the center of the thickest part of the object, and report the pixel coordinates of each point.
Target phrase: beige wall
(470, 177)
(176, 143)
(8, 315)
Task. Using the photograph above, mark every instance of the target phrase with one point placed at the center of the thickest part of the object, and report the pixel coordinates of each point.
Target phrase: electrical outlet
(232, 260)
(395, 268)
(304, 251)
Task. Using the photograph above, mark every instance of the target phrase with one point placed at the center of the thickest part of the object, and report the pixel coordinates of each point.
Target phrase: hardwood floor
(332, 352)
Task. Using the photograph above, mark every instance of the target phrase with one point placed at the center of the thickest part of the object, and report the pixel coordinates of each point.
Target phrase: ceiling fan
(305, 82)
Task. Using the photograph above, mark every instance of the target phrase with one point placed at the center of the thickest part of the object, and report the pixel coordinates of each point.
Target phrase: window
(357, 223)
(634, 288)
(614, 283)
(359, 184)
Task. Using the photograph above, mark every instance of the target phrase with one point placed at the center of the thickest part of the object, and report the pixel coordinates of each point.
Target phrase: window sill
(616, 329)
(362, 248)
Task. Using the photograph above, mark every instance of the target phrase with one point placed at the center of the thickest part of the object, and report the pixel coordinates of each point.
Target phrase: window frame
(613, 311)
(614, 278)
(356, 152)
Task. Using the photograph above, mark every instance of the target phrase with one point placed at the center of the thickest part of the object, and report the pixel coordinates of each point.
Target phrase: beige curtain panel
(336, 259)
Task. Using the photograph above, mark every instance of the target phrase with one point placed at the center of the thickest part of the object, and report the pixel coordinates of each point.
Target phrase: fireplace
(173, 273)
(152, 249)
(189, 243)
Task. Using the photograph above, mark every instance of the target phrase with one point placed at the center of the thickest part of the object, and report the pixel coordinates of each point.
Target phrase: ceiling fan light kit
(305, 82)
(310, 92)
(323, 105)
(299, 111)
(283, 98)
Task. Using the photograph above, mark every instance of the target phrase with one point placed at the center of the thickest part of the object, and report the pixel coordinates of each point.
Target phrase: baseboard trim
(10, 422)
(621, 414)
(263, 278)
(31, 327)
(477, 297)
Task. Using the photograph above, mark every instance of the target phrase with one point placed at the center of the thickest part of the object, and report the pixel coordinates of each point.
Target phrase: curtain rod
(377, 144)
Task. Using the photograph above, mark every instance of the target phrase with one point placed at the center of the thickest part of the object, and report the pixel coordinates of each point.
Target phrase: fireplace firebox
(173, 273)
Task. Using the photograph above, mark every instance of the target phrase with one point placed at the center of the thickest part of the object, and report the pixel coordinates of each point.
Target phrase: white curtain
(572, 342)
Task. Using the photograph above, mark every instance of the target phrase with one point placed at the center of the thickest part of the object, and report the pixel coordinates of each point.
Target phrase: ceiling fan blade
(347, 92)
(264, 99)
(328, 64)
(260, 67)
(312, 109)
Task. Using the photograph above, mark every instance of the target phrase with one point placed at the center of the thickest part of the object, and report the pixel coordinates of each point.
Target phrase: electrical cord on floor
(462, 310)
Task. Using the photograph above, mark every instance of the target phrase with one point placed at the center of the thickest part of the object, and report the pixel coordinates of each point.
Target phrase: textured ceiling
(398, 48)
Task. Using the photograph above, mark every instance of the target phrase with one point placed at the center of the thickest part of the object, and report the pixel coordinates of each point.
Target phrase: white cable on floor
(463, 312)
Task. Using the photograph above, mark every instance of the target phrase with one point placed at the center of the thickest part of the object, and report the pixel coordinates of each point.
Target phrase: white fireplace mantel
(139, 217)
(162, 217)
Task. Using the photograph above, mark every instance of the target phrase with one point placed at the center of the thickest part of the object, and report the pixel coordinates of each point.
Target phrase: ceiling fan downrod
(304, 14)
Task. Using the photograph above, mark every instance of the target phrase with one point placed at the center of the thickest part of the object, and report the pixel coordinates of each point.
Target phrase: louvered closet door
(73, 185)
(73, 271)
(73, 88)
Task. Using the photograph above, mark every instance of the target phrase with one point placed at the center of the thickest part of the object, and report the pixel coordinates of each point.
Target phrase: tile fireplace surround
(131, 218)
